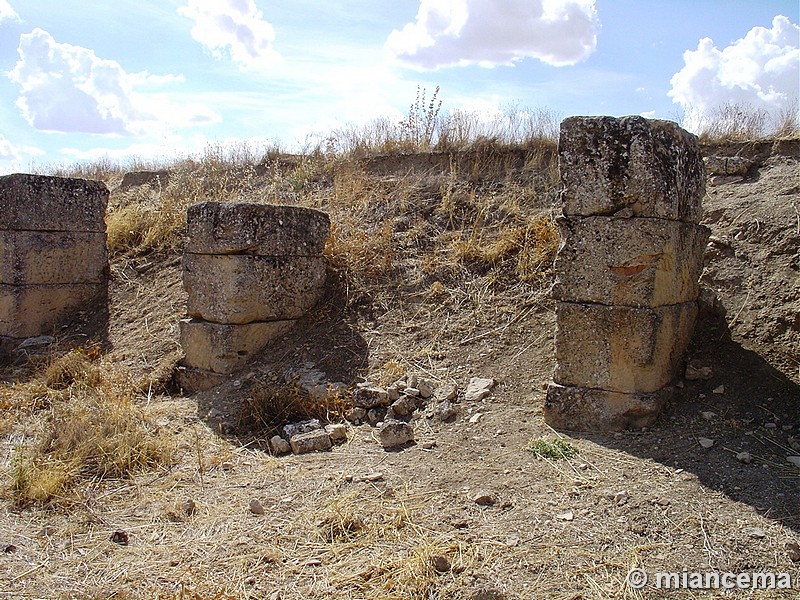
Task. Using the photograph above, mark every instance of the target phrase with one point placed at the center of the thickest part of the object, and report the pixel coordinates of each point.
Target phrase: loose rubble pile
(53, 258)
(391, 411)
(250, 271)
(627, 269)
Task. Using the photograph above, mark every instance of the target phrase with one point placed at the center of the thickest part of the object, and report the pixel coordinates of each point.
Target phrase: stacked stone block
(53, 258)
(627, 269)
(250, 271)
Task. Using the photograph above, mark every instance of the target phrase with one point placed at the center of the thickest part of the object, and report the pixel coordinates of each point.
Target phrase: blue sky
(150, 79)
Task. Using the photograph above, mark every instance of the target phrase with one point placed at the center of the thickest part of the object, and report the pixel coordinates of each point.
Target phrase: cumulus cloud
(6, 12)
(234, 28)
(759, 71)
(494, 32)
(7, 149)
(68, 88)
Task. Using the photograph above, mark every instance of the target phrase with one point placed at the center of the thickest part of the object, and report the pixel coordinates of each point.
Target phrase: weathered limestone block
(260, 229)
(578, 408)
(244, 289)
(223, 348)
(314, 441)
(629, 262)
(52, 257)
(647, 168)
(193, 380)
(621, 349)
(40, 203)
(31, 310)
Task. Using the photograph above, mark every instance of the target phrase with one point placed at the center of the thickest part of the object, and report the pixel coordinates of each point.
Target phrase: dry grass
(88, 424)
(733, 122)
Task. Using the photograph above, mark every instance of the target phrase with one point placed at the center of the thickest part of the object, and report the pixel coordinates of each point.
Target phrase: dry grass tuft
(270, 406)
(94, 428)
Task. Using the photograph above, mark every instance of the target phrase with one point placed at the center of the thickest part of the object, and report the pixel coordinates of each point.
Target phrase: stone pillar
(251, 270)
(627, 270)
(53, 258)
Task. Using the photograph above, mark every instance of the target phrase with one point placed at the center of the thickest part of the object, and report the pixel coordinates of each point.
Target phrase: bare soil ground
(360, 522)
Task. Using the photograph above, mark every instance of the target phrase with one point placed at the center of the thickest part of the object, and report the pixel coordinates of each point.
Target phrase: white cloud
(7, 149)
(235, 26)
(492, 32)
(68, 88)
(759, 71)
(7, 12)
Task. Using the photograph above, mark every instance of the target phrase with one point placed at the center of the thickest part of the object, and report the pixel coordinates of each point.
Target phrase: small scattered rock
(425, 388)
(708, 415)
(356, 415)
(370, 397)
(279, 445)
(484, 498)
(793, 550)
(189, 507)
(120, 537)
(696, 372)
(393, 392)
(445, 411)
(478, 389)
(412, 391)
(756, 533)
(9, 548)
(744, 457)
(720, 389)
(306, 426)
(440, 562)
(429, 445)
(395, 433)
(337, 432)
(256, 507)
(475, 418)
(376, 415)
(512, 540)
(446, 391)
(312, 441)
(795, 460)
(403, 406)
(566, 516)
(36, 342)
(705, 442)
(621, 498)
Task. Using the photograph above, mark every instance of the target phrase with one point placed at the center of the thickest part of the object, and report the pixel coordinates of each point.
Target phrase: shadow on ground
(323, 353)
(747, 406)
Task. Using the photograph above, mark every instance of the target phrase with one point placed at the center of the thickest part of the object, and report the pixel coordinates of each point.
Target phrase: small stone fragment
(395, 433)
(705, 442)
(793, 550)
(475, 418)
(708, 415)
(484, 498)
(478, 389)
(337, 432)
(256, 507)
(293, 429)
(696, 372)
(756, 533)
(412, 391)
(375, 415)
(279, 445)
(403, 406)
(425, 388)
(356, 415)
(370, 397)
(566, 516)
(312, 441)
(440, 562)
(120, 537)
(445, 410)
(795, 460)
(189, 507)
(446, 391)
(744, 457)
(718, 390)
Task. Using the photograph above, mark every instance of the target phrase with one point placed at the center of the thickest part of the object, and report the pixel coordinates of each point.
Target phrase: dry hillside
(115, 485)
